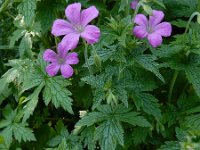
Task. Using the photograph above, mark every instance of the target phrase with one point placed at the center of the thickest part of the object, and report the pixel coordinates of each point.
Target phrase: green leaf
(179, 23)
(27, 9)
(15, 75)
(193, 76)
(25, 45)
(124, 114)
(22, 133)
(62, 133)
(183, 8)
(148, 103)
(5, 91)
(170, 145)
(1, 140)
(87, 136)
(144, 81)
(32, 78)
(14, 129)
(19, 68)
(16, 35)
(148, 62)
(95, 81)
(103, 53)
(134, 119)
(4, 123)
(119, 112)
(46, 13)
(7, 135)
(123, 5)
(181, 135)
(91, 118)
(62, 145)
(55, 91)
(160, 2)
(64, 140)
(98, 83)
(147, 9)
(99, 96)
(122, 95)
(139, 135)
(109, 133)
(192, 122)
(166, 51)
(32, 99)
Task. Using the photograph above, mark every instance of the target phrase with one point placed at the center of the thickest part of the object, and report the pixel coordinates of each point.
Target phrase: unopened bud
(147, 9)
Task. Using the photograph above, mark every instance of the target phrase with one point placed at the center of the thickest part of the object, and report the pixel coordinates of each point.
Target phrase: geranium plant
(99, 74)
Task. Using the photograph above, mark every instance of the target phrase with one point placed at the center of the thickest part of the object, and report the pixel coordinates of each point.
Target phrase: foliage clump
(115, 83)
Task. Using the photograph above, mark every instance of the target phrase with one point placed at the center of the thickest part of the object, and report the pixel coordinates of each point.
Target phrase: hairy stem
(137, 9)
(172, 85)
(86, 57)
(189, 21)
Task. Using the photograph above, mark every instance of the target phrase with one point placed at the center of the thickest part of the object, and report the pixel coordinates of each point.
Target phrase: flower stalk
(190, 19)
(172, 85)
(136, 10)
(86, 57)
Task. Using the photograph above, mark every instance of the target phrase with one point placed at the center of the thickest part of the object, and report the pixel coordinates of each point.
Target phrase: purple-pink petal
(66, 71)
(50, 56)
(140, 32)
(73, 13)
(164, 29)
(156, 18)
(61, 27)
(134, 4)
(91, 34)
(155, 39)
(62, 51)
(52, 69)
(72, 58)
(141, 20)
(88, 15)
(70, 41)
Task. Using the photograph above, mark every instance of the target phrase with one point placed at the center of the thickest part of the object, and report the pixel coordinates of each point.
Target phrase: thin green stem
(56, 41)
(190, 19)
(127, 8)
(187, 27)
(97, 60)
(86, 57)
(172, 85)
(137, 9)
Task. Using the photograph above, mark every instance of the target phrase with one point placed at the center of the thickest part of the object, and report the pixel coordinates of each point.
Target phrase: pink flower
(134, 4)
(61, 61)
(152, 28)
(77, 26)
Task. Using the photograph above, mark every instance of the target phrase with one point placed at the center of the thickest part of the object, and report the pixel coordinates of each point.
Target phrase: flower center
(150, 29)
(79, 28)
(61, 61)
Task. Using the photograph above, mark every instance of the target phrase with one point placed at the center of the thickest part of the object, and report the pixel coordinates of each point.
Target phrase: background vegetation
(137, 98)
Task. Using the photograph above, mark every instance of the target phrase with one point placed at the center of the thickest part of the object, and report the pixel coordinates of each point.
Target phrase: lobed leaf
(55, 91)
